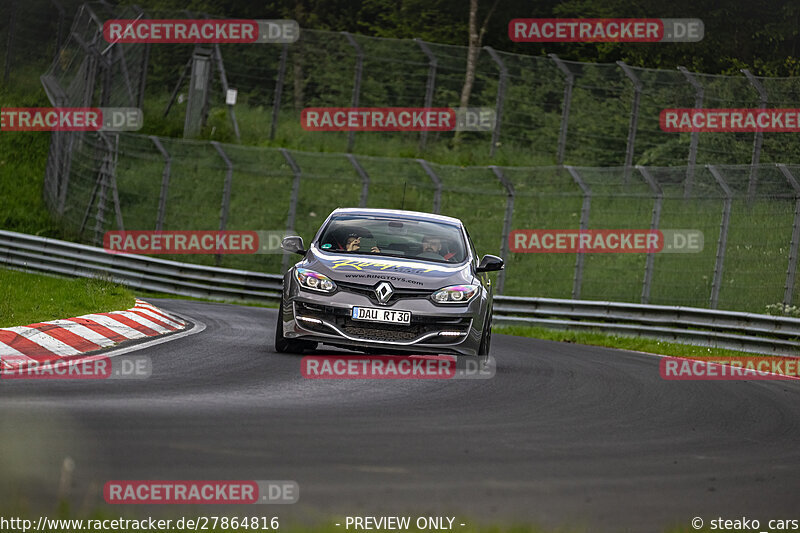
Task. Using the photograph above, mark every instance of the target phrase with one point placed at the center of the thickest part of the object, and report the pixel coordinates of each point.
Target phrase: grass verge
(637, 344)
(29, 298)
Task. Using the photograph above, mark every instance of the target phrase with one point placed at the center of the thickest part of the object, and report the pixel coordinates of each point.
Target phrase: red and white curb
(65, 339)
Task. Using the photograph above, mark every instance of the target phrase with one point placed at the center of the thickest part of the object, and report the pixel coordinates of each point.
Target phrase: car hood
(369, 269)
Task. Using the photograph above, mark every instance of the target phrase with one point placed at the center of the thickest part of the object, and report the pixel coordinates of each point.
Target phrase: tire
(284, 345)
(486, 337)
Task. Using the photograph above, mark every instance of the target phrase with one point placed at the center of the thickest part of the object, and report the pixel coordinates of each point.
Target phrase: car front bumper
(434, 329)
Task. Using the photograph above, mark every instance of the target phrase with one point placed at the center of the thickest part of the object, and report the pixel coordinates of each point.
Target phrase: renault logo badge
(384, 291)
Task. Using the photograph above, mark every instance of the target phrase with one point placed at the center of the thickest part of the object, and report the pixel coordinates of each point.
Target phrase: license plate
(372, 314)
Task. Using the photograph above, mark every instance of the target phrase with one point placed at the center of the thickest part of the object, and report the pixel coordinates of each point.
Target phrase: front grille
(420, 325)
(373, 333)
(369, 292)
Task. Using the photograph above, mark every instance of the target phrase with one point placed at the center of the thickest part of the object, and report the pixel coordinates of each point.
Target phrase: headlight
(308, 279)
(456, 294)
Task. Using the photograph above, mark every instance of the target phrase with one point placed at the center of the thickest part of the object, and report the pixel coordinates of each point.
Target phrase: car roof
(398, 213)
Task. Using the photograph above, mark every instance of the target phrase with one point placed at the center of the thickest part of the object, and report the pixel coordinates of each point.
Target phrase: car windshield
(395, 237)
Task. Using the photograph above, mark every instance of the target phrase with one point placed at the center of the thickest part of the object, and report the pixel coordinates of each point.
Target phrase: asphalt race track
(563, 435)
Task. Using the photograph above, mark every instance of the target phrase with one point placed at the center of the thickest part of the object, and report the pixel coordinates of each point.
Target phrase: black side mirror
(293, 244)
(490, 263)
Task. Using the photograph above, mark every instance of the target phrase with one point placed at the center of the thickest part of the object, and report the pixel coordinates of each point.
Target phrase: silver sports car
(382, 281)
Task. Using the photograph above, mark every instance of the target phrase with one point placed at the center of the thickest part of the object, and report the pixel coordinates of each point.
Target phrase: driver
(434, 245)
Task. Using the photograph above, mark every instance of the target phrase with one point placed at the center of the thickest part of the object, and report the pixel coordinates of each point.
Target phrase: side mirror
(490, 263)
(293, 244)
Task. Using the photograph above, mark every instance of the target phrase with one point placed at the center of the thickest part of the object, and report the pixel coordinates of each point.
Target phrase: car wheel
(284, 345)
(486, 338)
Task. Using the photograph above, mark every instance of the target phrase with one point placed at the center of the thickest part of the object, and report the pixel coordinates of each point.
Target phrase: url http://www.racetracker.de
(45, 524)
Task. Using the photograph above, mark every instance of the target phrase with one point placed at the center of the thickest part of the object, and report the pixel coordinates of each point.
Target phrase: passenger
(354, 244)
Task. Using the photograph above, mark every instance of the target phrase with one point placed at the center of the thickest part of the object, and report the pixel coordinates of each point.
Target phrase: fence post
(757, 139)
(197, 94)
(125, 75)
(437, 184)
(165, 177)
(501, 96)
(114, 189)
(569, 83)
(658, 194)
(143, 74)
(292, 202)
(585, 209)
(224, 81)
(695, 138)
(791, 271)
(364, 179)
(60, 28)
(276, 102)
(723, 235)
(356, 83)
(430, 86)
(501, 277)
(12, 29)
(104, 178)
(637, 93)
(226, 193)
(64, 166)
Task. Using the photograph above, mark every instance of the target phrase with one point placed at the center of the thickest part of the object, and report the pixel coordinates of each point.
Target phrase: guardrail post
(226, 193)
(791, 271)
(165, 177)
(757, 139)
(723, 235)
(501, 277)
(276, 102)
(430, 85)
(585, 210)
(364, 179)
(356, 83)
(569, 83)
(292, 202)
(224, 81)
(695, 138)
(501, 96)
(437, 184)
(658, 194)
(637, 93)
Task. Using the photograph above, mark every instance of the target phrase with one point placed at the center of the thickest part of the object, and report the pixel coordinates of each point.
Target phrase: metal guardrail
(764, 334)
(53, 256)
(749, 332)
